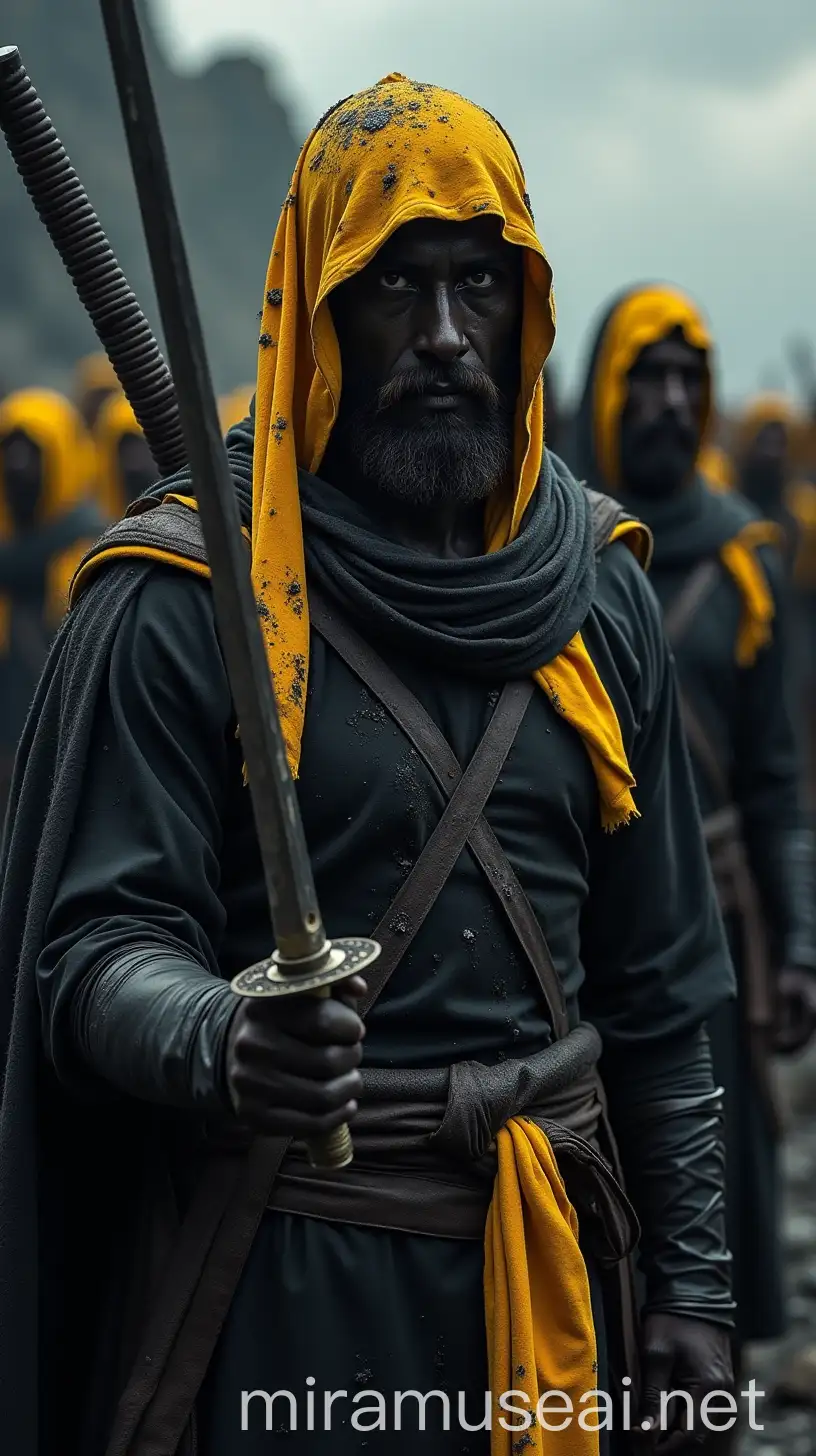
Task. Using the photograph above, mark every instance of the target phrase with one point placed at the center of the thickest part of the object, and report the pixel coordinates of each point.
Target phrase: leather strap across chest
(678, 618)
(462, 822)
(233, 1192)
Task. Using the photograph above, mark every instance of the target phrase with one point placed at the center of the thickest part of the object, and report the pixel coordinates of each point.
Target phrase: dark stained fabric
(165, 787)
(135, 767)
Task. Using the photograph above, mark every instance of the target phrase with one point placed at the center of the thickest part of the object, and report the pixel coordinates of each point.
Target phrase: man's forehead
(19, 447)
(430, 236)
(673, 351)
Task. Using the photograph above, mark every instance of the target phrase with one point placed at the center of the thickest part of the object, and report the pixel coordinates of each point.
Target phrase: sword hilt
(74, 228)
(313, 975)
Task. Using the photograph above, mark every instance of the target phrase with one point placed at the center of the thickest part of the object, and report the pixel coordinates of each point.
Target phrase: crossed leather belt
(425, 1159)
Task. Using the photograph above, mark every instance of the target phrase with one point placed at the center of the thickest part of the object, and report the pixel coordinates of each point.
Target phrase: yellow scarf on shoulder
(740, 559)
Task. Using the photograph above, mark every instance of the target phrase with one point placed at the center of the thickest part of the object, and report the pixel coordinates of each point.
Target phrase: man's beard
(441, 459)
(658, 462)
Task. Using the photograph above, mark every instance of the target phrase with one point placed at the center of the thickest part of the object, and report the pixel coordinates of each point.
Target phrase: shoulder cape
(169, 532)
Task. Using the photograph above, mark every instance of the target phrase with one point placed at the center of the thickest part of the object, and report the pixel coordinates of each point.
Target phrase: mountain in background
(232, 149)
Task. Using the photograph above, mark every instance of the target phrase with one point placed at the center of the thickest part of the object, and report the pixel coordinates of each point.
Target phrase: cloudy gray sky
(661, 138)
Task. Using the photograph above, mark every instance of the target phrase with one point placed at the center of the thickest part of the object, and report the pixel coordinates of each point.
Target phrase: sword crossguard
(312, 976)
(335, 961)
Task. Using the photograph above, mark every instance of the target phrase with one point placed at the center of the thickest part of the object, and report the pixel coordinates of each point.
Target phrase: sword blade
(296, 919)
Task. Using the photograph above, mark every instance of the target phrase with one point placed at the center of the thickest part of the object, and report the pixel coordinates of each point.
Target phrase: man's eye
(480, 278)
(394, 281)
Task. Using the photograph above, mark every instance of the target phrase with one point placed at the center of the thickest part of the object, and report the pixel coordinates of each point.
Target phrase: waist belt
(425, 1159)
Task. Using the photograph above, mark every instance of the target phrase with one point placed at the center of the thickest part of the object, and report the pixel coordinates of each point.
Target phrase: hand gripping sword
(304, 960)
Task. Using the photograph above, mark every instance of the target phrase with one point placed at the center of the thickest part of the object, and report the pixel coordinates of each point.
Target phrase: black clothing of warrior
(719, 578)
(133, 891)
(45, 528)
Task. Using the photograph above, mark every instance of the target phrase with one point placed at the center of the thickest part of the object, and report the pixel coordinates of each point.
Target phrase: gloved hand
(795, 1023)
(291, 1063)
(681, 1353)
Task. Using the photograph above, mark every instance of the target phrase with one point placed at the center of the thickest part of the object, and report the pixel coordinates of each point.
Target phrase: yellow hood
(643, 317)
(53, 424)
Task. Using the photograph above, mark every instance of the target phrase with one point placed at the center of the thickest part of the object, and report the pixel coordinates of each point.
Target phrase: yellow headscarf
(399, 151)
(55, 426)
(644, 317)
(234, 407)
(116, 420)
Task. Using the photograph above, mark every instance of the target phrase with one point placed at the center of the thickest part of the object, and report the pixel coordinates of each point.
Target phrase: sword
(304, 959)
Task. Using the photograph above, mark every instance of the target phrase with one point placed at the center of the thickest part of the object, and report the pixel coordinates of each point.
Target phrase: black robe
(748, 718)
(149, 777)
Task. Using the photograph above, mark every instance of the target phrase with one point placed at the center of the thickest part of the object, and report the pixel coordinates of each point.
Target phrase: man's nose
(441, 336)
(676, 394)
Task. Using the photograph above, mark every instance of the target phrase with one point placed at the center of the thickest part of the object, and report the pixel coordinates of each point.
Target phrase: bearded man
(719, 575)
(434, 591)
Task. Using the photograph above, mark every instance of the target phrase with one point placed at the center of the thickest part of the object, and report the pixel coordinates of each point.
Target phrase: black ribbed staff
(74, 228)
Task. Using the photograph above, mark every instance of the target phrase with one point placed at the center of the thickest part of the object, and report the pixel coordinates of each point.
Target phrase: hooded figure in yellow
(444, 612)
(717, 570)
(46, 525)
(125, 464)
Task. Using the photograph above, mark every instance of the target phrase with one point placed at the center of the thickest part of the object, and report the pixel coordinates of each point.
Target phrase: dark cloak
(54, 1245)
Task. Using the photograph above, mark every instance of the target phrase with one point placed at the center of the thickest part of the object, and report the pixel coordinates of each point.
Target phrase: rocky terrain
(232, 149)
(787, 1372)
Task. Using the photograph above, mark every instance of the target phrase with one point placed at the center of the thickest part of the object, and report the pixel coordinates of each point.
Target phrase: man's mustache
(457, 379)
(670, 429)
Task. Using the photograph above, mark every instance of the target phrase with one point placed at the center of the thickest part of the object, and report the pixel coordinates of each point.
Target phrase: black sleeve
(128, 977)
(667, 1115)
(652, 941)
(768, 790)
(657, 965)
